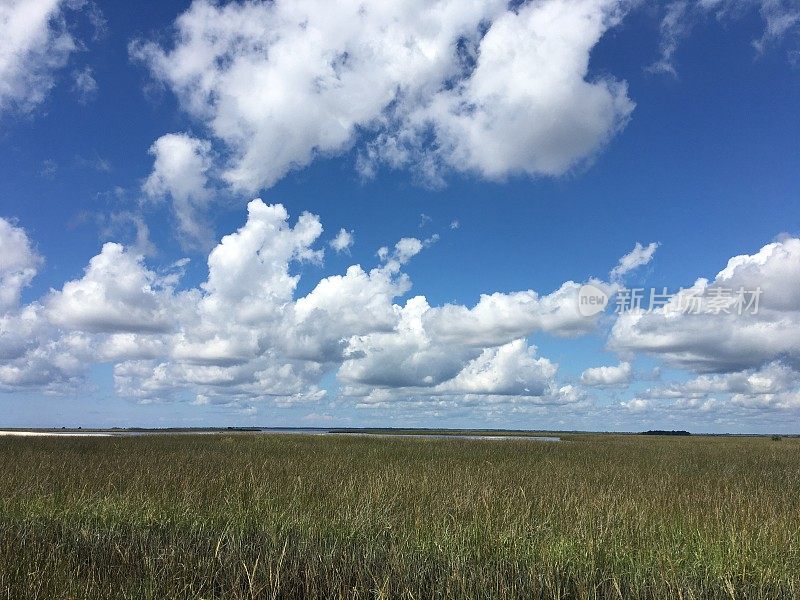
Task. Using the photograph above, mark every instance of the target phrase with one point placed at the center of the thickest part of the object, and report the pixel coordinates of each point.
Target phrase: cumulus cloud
(33, 355)
(116, 293)
(180, 171)
(636, 405)
(476, 86)
(18, 264)
(245, 334)
(35, 43)
(430, 346)
(613, 376)
(701, 328)
(343, 240)
(501, 317)
(508, 370)
(766, 396)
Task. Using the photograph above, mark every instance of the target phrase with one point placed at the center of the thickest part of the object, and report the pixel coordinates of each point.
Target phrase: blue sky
(505, 166)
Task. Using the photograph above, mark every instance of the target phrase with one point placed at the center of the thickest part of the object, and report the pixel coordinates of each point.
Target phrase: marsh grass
(270, 516)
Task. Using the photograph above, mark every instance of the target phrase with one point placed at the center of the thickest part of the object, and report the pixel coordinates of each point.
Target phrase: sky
(552, 214)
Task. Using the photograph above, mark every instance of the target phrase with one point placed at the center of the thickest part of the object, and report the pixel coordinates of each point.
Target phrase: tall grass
(249, 516)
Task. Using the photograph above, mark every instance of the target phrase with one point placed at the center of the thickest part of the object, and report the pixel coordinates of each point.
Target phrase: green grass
(271, 516)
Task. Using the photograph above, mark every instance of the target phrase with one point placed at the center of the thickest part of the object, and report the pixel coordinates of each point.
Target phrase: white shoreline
(54, 433)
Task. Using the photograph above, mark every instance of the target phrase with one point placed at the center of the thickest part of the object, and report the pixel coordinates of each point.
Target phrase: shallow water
(270, 431)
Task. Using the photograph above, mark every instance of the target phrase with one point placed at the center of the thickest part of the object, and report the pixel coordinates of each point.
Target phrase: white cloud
(245, 334)
(35, 43)
(116, 294)
(528, 106)
(509, 370)
(84, 84)
(406, 249)
(49, 168)
(501, 317)
(18, 264)
(764, 396)
(727, 341)
(674, 26)
(639, 256)
(180, 171)
(342, 242)
(499, 90)
(780, 18)
(33, 355)
(614, 376)
(636, 405)
(342, 306)
(430, 346)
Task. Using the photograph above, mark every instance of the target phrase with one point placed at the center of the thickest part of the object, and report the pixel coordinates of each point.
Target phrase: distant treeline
(662, 432)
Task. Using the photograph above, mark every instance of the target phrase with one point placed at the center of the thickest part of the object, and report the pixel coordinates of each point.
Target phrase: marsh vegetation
(270, 516)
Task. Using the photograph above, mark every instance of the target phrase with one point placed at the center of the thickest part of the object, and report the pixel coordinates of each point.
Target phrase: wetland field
(237, 515)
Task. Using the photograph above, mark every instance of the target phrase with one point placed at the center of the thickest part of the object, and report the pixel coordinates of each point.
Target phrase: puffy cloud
(614, 376)
(341, 306)
(528, 106)
(636, 405)
(500, 317)
(508, 370)
(495, 89)
(34, 44)
(772, 378)
(262, 378)
(406, 356)
(34, 355)
(430, 346)
(18, 264)
(180, 171)
(245, 333)
(116, 294)
(760, 396)
(342, 241)
(701, 329)
(639, 256)
(249, 270)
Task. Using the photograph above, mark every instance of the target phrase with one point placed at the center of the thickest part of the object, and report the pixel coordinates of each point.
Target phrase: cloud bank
(244, 335)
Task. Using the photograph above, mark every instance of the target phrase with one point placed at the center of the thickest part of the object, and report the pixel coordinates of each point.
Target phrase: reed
(280, 516)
